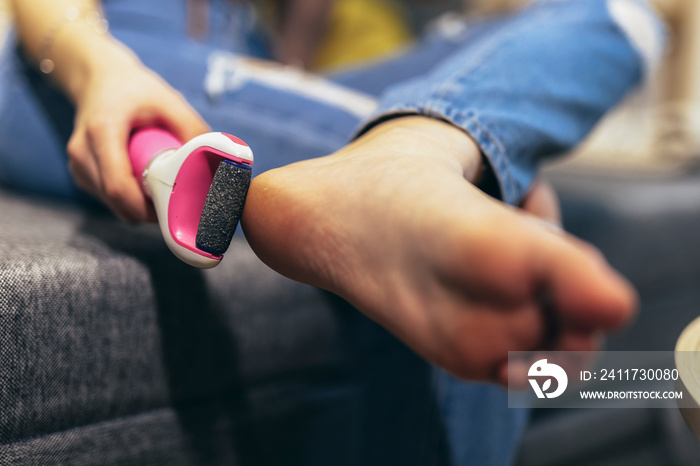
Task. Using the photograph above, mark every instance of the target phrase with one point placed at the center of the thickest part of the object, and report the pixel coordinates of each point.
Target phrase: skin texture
(392, 224)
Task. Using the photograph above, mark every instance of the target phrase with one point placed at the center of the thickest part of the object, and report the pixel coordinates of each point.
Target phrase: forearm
(78, 49)
(535, 85)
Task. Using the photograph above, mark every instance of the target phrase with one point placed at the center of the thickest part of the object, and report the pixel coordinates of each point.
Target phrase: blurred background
(632, 189)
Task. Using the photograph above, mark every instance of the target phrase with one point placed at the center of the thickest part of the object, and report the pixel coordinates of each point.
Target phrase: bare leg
(392, 224)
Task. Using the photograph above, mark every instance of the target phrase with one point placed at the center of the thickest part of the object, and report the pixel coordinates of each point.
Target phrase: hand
(116, 99)
(391, 224)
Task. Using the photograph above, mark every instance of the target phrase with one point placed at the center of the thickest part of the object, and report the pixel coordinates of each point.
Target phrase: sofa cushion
(98, 320)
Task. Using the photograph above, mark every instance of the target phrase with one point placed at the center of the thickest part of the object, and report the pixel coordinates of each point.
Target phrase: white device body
(159, 180)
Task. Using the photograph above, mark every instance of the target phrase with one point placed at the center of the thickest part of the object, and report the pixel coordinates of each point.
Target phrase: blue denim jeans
(524, 87)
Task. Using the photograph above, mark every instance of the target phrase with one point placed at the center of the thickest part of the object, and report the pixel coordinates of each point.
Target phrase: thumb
(120, 189)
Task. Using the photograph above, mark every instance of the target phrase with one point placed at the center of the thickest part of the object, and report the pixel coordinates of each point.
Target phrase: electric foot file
(198, 189)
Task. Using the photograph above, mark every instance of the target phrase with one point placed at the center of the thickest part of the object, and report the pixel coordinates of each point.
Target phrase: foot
(393, 224)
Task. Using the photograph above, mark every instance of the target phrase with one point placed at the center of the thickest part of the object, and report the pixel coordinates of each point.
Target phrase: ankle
(450, 143)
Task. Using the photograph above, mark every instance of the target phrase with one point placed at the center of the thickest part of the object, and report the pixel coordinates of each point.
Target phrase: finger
(584, 291)
(120, 189)
(542, 202)
(151, 215)
(82, 164)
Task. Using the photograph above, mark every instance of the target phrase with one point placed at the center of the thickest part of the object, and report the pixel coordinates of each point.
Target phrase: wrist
(93, 57)
(450, 142)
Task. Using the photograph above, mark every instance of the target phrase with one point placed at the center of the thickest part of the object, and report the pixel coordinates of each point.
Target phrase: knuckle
(76, 149)
(97, 125)
(72, 145)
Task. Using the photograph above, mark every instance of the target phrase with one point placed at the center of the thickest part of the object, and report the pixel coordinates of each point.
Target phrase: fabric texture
(520, 98)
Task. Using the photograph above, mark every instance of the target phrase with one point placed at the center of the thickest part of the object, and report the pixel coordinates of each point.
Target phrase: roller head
(198, 191)
(223, 207)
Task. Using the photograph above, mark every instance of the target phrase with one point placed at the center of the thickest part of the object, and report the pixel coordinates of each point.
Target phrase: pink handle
(147, 142)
